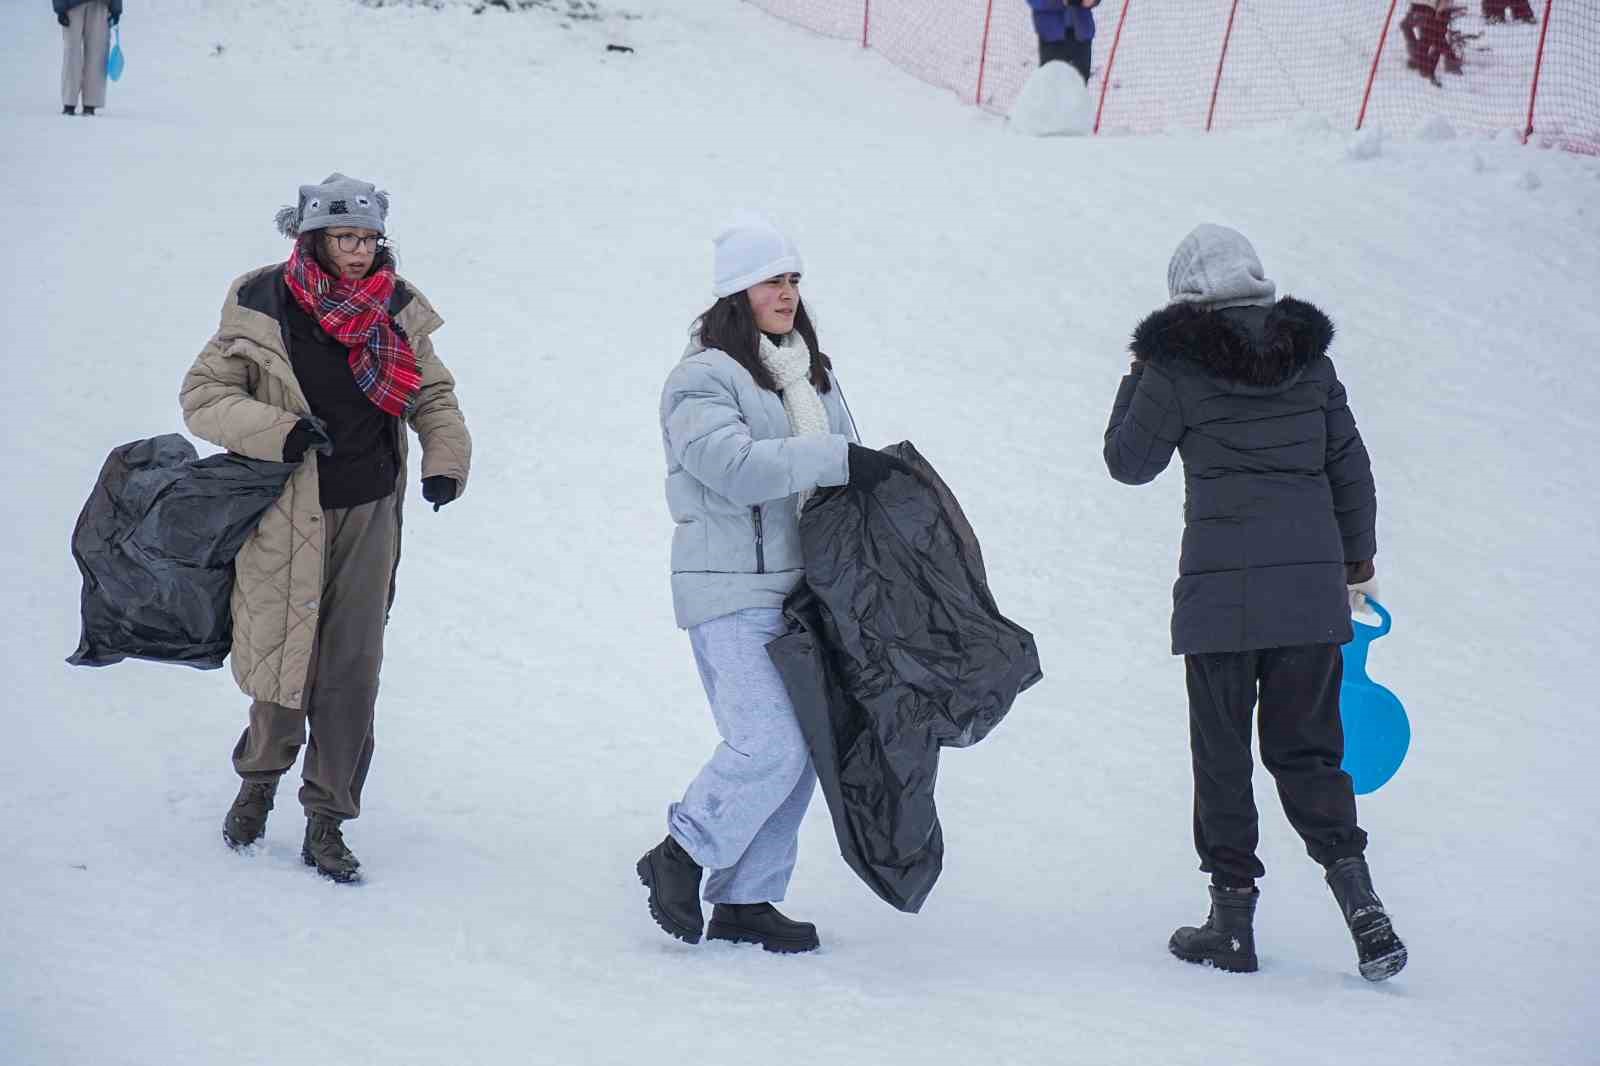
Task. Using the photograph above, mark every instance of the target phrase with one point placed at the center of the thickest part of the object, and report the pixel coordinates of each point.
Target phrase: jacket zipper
(761, 554)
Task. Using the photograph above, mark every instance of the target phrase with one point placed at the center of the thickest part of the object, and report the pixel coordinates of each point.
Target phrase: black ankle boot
(247, 818)
(325, 849)
(764, 924)
(673, 878)
(70, 109)
(87, 110)
(1227, 940)
(1379, 952)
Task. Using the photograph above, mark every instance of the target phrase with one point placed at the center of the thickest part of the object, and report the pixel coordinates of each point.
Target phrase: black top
(364, 463)
(1279, 494)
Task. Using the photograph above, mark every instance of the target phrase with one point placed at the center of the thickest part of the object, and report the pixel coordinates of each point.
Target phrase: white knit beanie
(749, 252)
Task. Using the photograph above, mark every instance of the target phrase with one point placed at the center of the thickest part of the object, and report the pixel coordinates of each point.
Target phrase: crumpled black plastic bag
(155, 544)
(895, 650)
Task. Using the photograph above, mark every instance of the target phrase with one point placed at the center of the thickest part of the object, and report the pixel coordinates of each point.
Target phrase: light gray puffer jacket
(733, 478)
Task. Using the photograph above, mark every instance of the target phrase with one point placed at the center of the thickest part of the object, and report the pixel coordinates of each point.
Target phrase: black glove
(307, 435)
(115, 19)
(869, 469)
(63, 19)
(439, 490)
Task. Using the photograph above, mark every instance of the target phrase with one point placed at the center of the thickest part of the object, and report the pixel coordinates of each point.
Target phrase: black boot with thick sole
(1379, 953)
(673, 878)
(1227, 940)
(764, 924)
(247, 818)
(324, 848)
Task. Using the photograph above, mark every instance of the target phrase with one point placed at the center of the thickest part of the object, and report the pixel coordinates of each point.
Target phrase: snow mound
(1368, 144)
(1054, 102)
(1437, 128)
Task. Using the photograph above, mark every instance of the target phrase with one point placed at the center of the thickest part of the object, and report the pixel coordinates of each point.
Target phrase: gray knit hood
(1216, 267)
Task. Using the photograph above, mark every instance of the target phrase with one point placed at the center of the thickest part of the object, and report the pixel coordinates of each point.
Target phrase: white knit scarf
(790, 367)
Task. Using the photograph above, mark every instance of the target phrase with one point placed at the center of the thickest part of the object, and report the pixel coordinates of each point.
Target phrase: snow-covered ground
(539, 709)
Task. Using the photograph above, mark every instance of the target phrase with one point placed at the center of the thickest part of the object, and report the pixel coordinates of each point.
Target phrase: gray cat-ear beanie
(336, 201)
(1217, 267)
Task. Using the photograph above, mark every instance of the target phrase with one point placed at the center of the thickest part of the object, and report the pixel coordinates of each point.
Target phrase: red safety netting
(1531, 66)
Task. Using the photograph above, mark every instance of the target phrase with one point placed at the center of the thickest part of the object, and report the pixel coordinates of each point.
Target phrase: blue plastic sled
(1376, 730)
(114, 61)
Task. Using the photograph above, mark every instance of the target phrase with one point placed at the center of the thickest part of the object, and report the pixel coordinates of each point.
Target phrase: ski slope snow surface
(539, 710)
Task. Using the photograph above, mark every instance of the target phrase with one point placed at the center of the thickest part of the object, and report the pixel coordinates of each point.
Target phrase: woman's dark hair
(312, 241)
(729, 325)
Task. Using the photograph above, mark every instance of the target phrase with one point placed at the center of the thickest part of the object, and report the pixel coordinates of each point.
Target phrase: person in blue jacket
(1066, 32)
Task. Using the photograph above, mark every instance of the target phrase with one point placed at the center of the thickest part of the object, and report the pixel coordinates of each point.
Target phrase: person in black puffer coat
(1280, 514)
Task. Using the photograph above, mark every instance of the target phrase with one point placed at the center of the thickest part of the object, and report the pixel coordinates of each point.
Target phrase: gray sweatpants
(85, 42)
(740, 818)
(342, 684)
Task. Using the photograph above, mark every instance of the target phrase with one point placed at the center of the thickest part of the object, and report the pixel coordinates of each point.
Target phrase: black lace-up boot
(1379, 953)
(247, 818)
(324, 848)
(1227, 940)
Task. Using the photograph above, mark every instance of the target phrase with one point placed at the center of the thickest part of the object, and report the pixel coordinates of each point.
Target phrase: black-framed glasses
(349, 242)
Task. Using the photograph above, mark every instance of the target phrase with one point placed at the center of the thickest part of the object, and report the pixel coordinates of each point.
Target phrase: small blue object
(1376, 730)
(114, 61)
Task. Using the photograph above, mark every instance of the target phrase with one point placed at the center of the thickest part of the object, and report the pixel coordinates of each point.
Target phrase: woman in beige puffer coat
(317, 361)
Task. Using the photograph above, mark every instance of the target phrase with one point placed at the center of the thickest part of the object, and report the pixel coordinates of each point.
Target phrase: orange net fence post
(1527, 66)
(1222, 62)
(941, 44)
(983, 54)
(1111, 65)
(1564, 99)
(1377, 57)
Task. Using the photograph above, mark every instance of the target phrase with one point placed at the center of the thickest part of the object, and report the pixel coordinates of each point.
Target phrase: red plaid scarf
(356, 314)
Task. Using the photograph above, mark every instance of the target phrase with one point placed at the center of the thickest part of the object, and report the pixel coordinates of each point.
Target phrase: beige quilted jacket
(241, 394)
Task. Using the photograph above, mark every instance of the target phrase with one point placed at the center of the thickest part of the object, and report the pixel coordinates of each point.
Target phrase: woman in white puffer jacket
(753, 423)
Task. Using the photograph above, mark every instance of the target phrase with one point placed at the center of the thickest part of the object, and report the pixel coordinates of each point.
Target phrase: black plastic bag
(155, 544)
(895, 650)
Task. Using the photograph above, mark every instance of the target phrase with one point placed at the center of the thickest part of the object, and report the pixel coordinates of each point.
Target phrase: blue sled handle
(114, 60)
(1387, 623)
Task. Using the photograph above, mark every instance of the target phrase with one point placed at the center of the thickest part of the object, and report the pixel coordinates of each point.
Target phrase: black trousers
(1302, 745)
(1071, 51)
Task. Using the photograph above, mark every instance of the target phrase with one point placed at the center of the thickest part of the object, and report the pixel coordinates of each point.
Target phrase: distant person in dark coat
(1496, 10)
(1066, 32)
(1279, 518)
(85, 45)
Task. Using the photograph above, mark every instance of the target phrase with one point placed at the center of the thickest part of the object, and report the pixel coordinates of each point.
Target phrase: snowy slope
(539, 710)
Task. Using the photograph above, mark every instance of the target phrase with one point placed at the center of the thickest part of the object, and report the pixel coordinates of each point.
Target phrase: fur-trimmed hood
(1264, 348)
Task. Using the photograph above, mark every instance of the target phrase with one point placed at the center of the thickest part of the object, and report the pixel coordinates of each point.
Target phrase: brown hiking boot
(247, 818)
(324, 848)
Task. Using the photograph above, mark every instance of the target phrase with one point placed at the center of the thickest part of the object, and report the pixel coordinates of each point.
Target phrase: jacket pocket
(761, 546)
